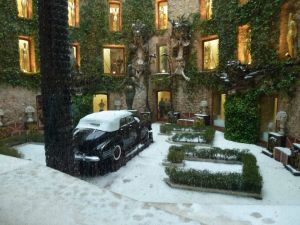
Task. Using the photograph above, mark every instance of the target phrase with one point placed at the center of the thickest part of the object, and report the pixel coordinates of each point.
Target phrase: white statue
(282, 118)
(291, 37)
(24, 4)
(203, 105)
(29, 110)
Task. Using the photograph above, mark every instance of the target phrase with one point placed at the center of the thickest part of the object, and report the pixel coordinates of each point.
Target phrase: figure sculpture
(71, 13)
(291, 37)
(208, 9)
(180, 40)
(115, 15)
(282, 118)
(24, 4)
(139, 48)
(24, 58)
(130, 84)
(246, 47)
(101, 105)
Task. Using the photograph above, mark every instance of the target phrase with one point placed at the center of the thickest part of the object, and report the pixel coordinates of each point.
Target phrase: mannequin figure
(24, 58)
(291, 37)
(24, 4)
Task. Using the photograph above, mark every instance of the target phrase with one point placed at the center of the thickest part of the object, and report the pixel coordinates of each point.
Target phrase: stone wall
(292, 106)
(13, 101)
(182, 7)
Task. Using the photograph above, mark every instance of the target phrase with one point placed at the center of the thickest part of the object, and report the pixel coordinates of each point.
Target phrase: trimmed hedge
(175, 155)
(205, 179)
(249, 181)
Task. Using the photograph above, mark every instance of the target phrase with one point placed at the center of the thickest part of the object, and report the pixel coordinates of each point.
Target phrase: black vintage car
(104, 141)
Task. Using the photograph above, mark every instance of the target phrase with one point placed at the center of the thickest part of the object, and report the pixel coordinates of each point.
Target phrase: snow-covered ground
(142, 180)
(213, 167)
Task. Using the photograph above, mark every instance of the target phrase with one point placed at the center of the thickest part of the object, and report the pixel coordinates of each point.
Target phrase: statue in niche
(291, 37)
(210, 62)
(247, 47)
(130, 84)
(24, 57)
(71, 5)
(114, 11)
(163, 17)
(24, 5)
(139, 48)
(180, 38)
(208, 9)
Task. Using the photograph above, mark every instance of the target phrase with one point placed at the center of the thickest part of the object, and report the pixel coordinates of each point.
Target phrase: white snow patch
(213, 167)
(33, 152)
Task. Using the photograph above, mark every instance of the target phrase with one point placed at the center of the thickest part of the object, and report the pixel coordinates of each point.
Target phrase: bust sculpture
(291, 37)
(282, 118)
(29, 110)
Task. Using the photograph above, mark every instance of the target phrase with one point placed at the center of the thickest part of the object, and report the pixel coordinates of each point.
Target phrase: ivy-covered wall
(93, 32)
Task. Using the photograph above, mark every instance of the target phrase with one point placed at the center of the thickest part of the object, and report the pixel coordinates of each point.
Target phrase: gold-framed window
(73, 13)
(24, 8)
(162, 14)
(27, 54)
(115, 16)
(114, 60)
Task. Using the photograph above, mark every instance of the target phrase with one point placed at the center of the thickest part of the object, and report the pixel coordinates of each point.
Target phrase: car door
(133, 129)
(124, 131)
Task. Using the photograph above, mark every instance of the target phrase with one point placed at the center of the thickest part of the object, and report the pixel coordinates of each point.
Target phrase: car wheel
(118, 158)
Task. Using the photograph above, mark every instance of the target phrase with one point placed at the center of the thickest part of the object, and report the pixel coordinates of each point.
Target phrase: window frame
(110, 2)
(77, 46)
(77, 15)
(29, 10)
(158, 22)
(122, 47)
(31, 53)
(158, 46)
(207, 39)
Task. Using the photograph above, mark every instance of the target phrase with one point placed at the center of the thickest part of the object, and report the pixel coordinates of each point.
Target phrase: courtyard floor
(141, 183)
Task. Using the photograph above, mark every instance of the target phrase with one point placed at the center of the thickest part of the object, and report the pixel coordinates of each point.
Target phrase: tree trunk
(55, 75)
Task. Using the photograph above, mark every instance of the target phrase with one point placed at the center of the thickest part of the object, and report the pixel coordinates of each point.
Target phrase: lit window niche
(162, 59)
(206, 9)
(210, 54)
(268, 111)
(76, 53)
(289, 45)
(219, 110)
(113, 60)
(243, 2)
(114, 16)
(27, 55)
(24, 8)
(100, 102)
(244, 44)
(73, 13)
(162, 15)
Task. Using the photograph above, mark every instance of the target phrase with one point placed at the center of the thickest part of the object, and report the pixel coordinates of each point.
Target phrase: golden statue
(71, 11)
(24, 4)
(291, 37)
(247, 47)
(114, 11)
(208, 9)
(24, 58)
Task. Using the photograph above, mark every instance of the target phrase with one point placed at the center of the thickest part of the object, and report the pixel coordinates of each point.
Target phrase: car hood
(86, 140)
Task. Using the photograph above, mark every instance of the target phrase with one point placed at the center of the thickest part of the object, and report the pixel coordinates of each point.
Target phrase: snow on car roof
(108, 121)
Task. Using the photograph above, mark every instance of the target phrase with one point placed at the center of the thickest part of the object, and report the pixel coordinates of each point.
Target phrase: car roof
(108, 121)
